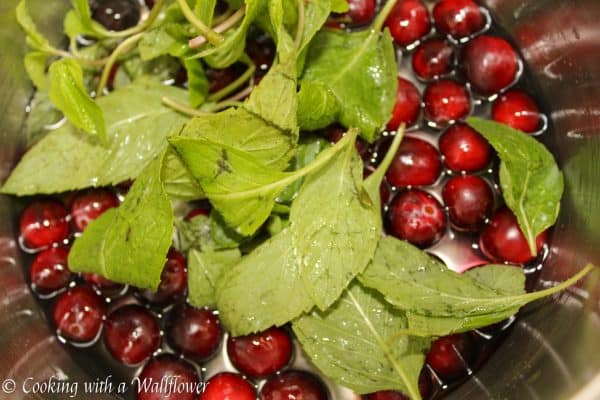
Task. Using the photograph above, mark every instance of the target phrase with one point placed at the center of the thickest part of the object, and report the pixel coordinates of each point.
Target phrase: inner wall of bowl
(551, 353)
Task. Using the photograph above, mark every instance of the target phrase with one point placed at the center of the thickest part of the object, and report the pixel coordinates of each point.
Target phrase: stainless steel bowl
(554, 350)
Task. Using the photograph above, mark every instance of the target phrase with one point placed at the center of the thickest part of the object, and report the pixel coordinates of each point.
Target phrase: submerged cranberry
(227, 385)
(518, 110)
(89, 205)
(194, 332)
(173, 281)
(167, 368)
(490, 64)
(49, 271)
(433, 58)
(503, 240)
(417, 163)
(116, 15)
(470, 201)
(446, 101)
(416, 216)
(408, 22)
(43, 223)
(458, 18)
(294, 385)
(78, 314)
(464, 149)
(450, 356)
(407, 106)
(261, 354)
(360, 12)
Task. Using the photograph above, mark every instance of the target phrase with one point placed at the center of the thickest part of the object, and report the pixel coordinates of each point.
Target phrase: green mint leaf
(428, 326)
(66, 159)
(204, 269)
(532, 185)
(69, 95)
(373, 181)
(129, 244)
(168, 38)
(222, 235)
(193, 234)
(178, 180)
(205, 10)
(339, 6)
(73, 26)
(35, 65)
(34, 38)
(41, 118)
(318, 106)
(360, 70)
(198, 83)
(364, 355)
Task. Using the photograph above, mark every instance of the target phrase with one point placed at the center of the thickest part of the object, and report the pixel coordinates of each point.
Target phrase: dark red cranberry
(470, 201)
(78, 314)
(418, 217)
(194, 332)
(490, 64)
(227, 385)
(43, 223)
(407, 107)
(117, 15)
(335, 133)
(131, 334)
(433, 58)
(360, 12)
(294, 385)
(451, 355)
(417, 163)
(260, 354)
(464, 149)
(168, 368)
(408, 22)
(100, 282)
(197, 211)
(49, 271)
(261, 50)
(458, 18)
(503, 240)
(173, 281)
(221, 78)
(89, 205)
(518, 110)
(446, 101)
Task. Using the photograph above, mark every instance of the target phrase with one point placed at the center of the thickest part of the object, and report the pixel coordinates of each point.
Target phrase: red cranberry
(227, 385)
(469, 200)
(173, 281)
(464, 149)
(503, 240)
(417, 163)
(446, 101)
(408, 22)
(518, 110)
(43, 223)
(78, 314)
(131, 334)
(458, 18)
(407, 107)
(89, 205)
(194, 332)
(360, 12)
(418, 217)
(433, 58)
(451, 355)
(197, 211)
(294, 385)
(261, 354)
(335, 133)
(49, 271)
(168, 368)
(490, 64)
(100, 282)
(117, 15)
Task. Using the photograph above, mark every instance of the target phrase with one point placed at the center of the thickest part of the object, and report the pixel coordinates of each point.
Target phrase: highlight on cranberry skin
(165, 368)
(43, 223)
(407, 107)
(227, 385)
(78, 315)
(518, 110)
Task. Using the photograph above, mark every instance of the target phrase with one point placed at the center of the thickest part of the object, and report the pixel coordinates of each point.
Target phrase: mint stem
(383, 14)
(227, 24)
(247, 75)
(374, 180)
(125, 46)
(301, 23)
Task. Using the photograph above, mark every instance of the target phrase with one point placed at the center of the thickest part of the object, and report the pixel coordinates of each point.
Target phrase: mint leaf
(168, 38)
(205, 10)
(339, 6)
(34, 38)
(129, 244)
(177, 179)
(66, 159)
(42, 116)
(532, 185)
(318, 106)
(69, 95)
(222, 235)
(204, 269)
(193, 234)
(198, 83)
(35, 65)
(352, 344)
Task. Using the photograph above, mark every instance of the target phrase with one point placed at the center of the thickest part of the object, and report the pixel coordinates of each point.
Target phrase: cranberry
(469, 200)
(100, 282)
(408, 22)
(490, 64)
(503, 240)
(197, 211)
(78, 314)
(417, 163)
(450, 356)
(173, 281)
(89, 205)
(117, 15)
(168, 368)
(518, 110)
(294, 385)
(446, 101)
(458, 18)
(407, 107)
(221, 78)
(335, 133)
(261, 354)
(194, 332)
(131, 334)
(433, 58)
(49, 271)
(43, 223)
(464, 149)
(261, 50)
(360, 12)
(227, 385)
(418, 217)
